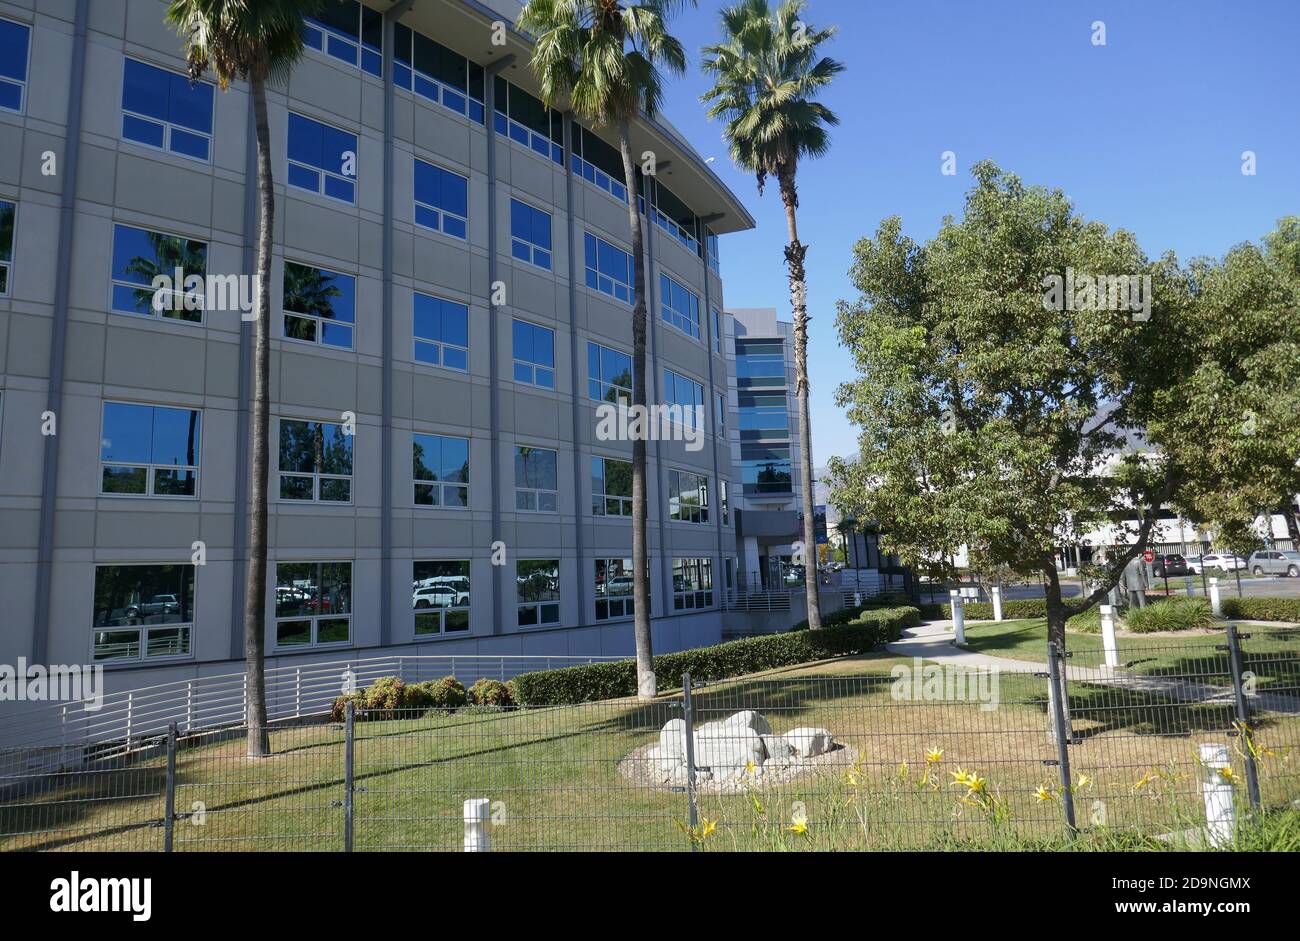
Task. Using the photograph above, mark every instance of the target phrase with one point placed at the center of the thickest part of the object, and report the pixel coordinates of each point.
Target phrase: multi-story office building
(450, 296)
(766, 449)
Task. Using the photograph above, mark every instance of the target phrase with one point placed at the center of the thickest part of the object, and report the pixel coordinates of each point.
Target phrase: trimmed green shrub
(385, 695)
(1262, 609)
(866, 630)
(1012, 609)
(487, 692)
(446, 693)
(1089, 622)
(338, 710)
(1171, 614)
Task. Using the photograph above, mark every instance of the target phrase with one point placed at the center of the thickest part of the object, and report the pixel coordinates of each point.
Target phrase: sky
(1145, 133)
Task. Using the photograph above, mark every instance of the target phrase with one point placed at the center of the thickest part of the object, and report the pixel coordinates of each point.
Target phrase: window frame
(442, 213)
(409, 78)
(603, 497)
(168, 126)
(442, 345)
(533, 367)
(440, 485)
(314, 619)
(625, 602)
(532, 249)
(150, 468)
(674, 317)
(596, 274)
(697, 402)
(316, 319)
(538, 492)
(25, 82)
(692, 514)
(316, 476)
(321, 172)
(604, 384)
(537, 606)
(143, 630)
(704, 566)
(7, 282)
(442, 610)
(359, 45)
(166, 315)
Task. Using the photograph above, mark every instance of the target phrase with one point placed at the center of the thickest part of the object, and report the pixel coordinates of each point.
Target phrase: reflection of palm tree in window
(307, 290)
(6, 232)
(619, 388)
(169, 254)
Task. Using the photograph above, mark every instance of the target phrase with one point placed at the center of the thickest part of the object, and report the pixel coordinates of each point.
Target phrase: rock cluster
(732, 747)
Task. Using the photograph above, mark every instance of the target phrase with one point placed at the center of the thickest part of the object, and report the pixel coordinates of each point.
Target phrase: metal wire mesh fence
(912, 755)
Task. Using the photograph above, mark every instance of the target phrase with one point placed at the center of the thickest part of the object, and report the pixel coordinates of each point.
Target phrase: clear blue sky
(1144, 133)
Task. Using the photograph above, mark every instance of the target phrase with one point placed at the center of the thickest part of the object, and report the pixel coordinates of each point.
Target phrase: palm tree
(256, 41)
(766, 74)
(606, 59)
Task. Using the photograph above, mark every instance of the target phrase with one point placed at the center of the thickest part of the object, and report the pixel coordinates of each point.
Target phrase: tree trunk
(645, 665)
(255, 585)
(1056, 618)
(794, 260)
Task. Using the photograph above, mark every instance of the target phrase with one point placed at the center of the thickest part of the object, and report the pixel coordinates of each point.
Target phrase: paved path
(932, 640)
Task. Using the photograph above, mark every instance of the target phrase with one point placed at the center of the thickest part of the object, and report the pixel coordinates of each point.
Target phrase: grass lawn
(552, 776)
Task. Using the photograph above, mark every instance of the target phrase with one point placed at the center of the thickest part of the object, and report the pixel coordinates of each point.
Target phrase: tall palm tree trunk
(645, 665)
(794, 260)
(255, 584)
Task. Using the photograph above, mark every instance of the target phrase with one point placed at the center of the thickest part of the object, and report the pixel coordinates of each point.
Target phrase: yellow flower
(934, 756)
(976, 783)
(707, 826)
(1084, 781)
(851, 776)
(1044, 794)
(799, 821)
(1143, 781)
(1228, 775)
(750, 767)
(960, 777)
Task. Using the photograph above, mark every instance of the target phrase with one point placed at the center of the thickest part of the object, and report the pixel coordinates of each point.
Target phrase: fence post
(297, 692)
(996, 593)
(1108, 640)
(349, 712)
(1243, 715)
(1216, 602)
(189, 705)
(1054, 697)
(477, 811)
(958, 617)
(130, 716)
(169, 805)
(1220, 811)
(688, 716)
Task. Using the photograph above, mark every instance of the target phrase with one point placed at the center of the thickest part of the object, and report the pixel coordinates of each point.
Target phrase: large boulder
(672, 745)
(748, 719)
(809, 742)
(779, 751)
(728, 750)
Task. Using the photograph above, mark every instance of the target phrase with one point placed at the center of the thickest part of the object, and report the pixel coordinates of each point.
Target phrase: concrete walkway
(933, 640)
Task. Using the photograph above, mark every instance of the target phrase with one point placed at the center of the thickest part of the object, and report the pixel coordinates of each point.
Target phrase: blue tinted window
(140, 257)
(686, 393)
(149, 450)
(609, 269)
(441, 200)
(322, 159)
(14, 41)
(530, 234)
(440, 469)
(319, 305)
(349, 32)
(534, 355)
(162, 109)
(680, 307)
(6, 244)
(441, 330)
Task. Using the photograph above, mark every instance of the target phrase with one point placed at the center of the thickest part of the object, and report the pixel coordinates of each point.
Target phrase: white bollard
(1220, 811)
(1108, 641)
(996, 592)
(478, 811)
(1216, 603)
(857, 599)
(958, 617)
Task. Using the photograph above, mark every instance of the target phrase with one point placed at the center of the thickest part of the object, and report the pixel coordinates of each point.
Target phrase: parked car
(1215, 561)
(1168, 566)
(1275, 562)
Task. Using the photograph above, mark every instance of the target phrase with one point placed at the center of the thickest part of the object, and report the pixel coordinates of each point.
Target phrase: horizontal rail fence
(918, 757)
(1151, 724)
(55, 736)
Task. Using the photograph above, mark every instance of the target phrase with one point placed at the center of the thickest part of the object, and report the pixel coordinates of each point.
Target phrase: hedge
(591, 682)
(1262, 609)
(1012, 609)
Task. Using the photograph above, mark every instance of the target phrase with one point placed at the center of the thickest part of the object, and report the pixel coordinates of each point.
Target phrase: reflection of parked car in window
(620, 585)
(438, 596)
(159, 604)
(1275, 562)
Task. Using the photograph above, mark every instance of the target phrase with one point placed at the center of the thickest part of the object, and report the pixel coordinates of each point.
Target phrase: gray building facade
(449, 308)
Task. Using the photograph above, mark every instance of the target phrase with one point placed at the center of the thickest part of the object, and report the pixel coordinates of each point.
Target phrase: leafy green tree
(767, 75)
(606, 58)
(254, 42)
(992, 419)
